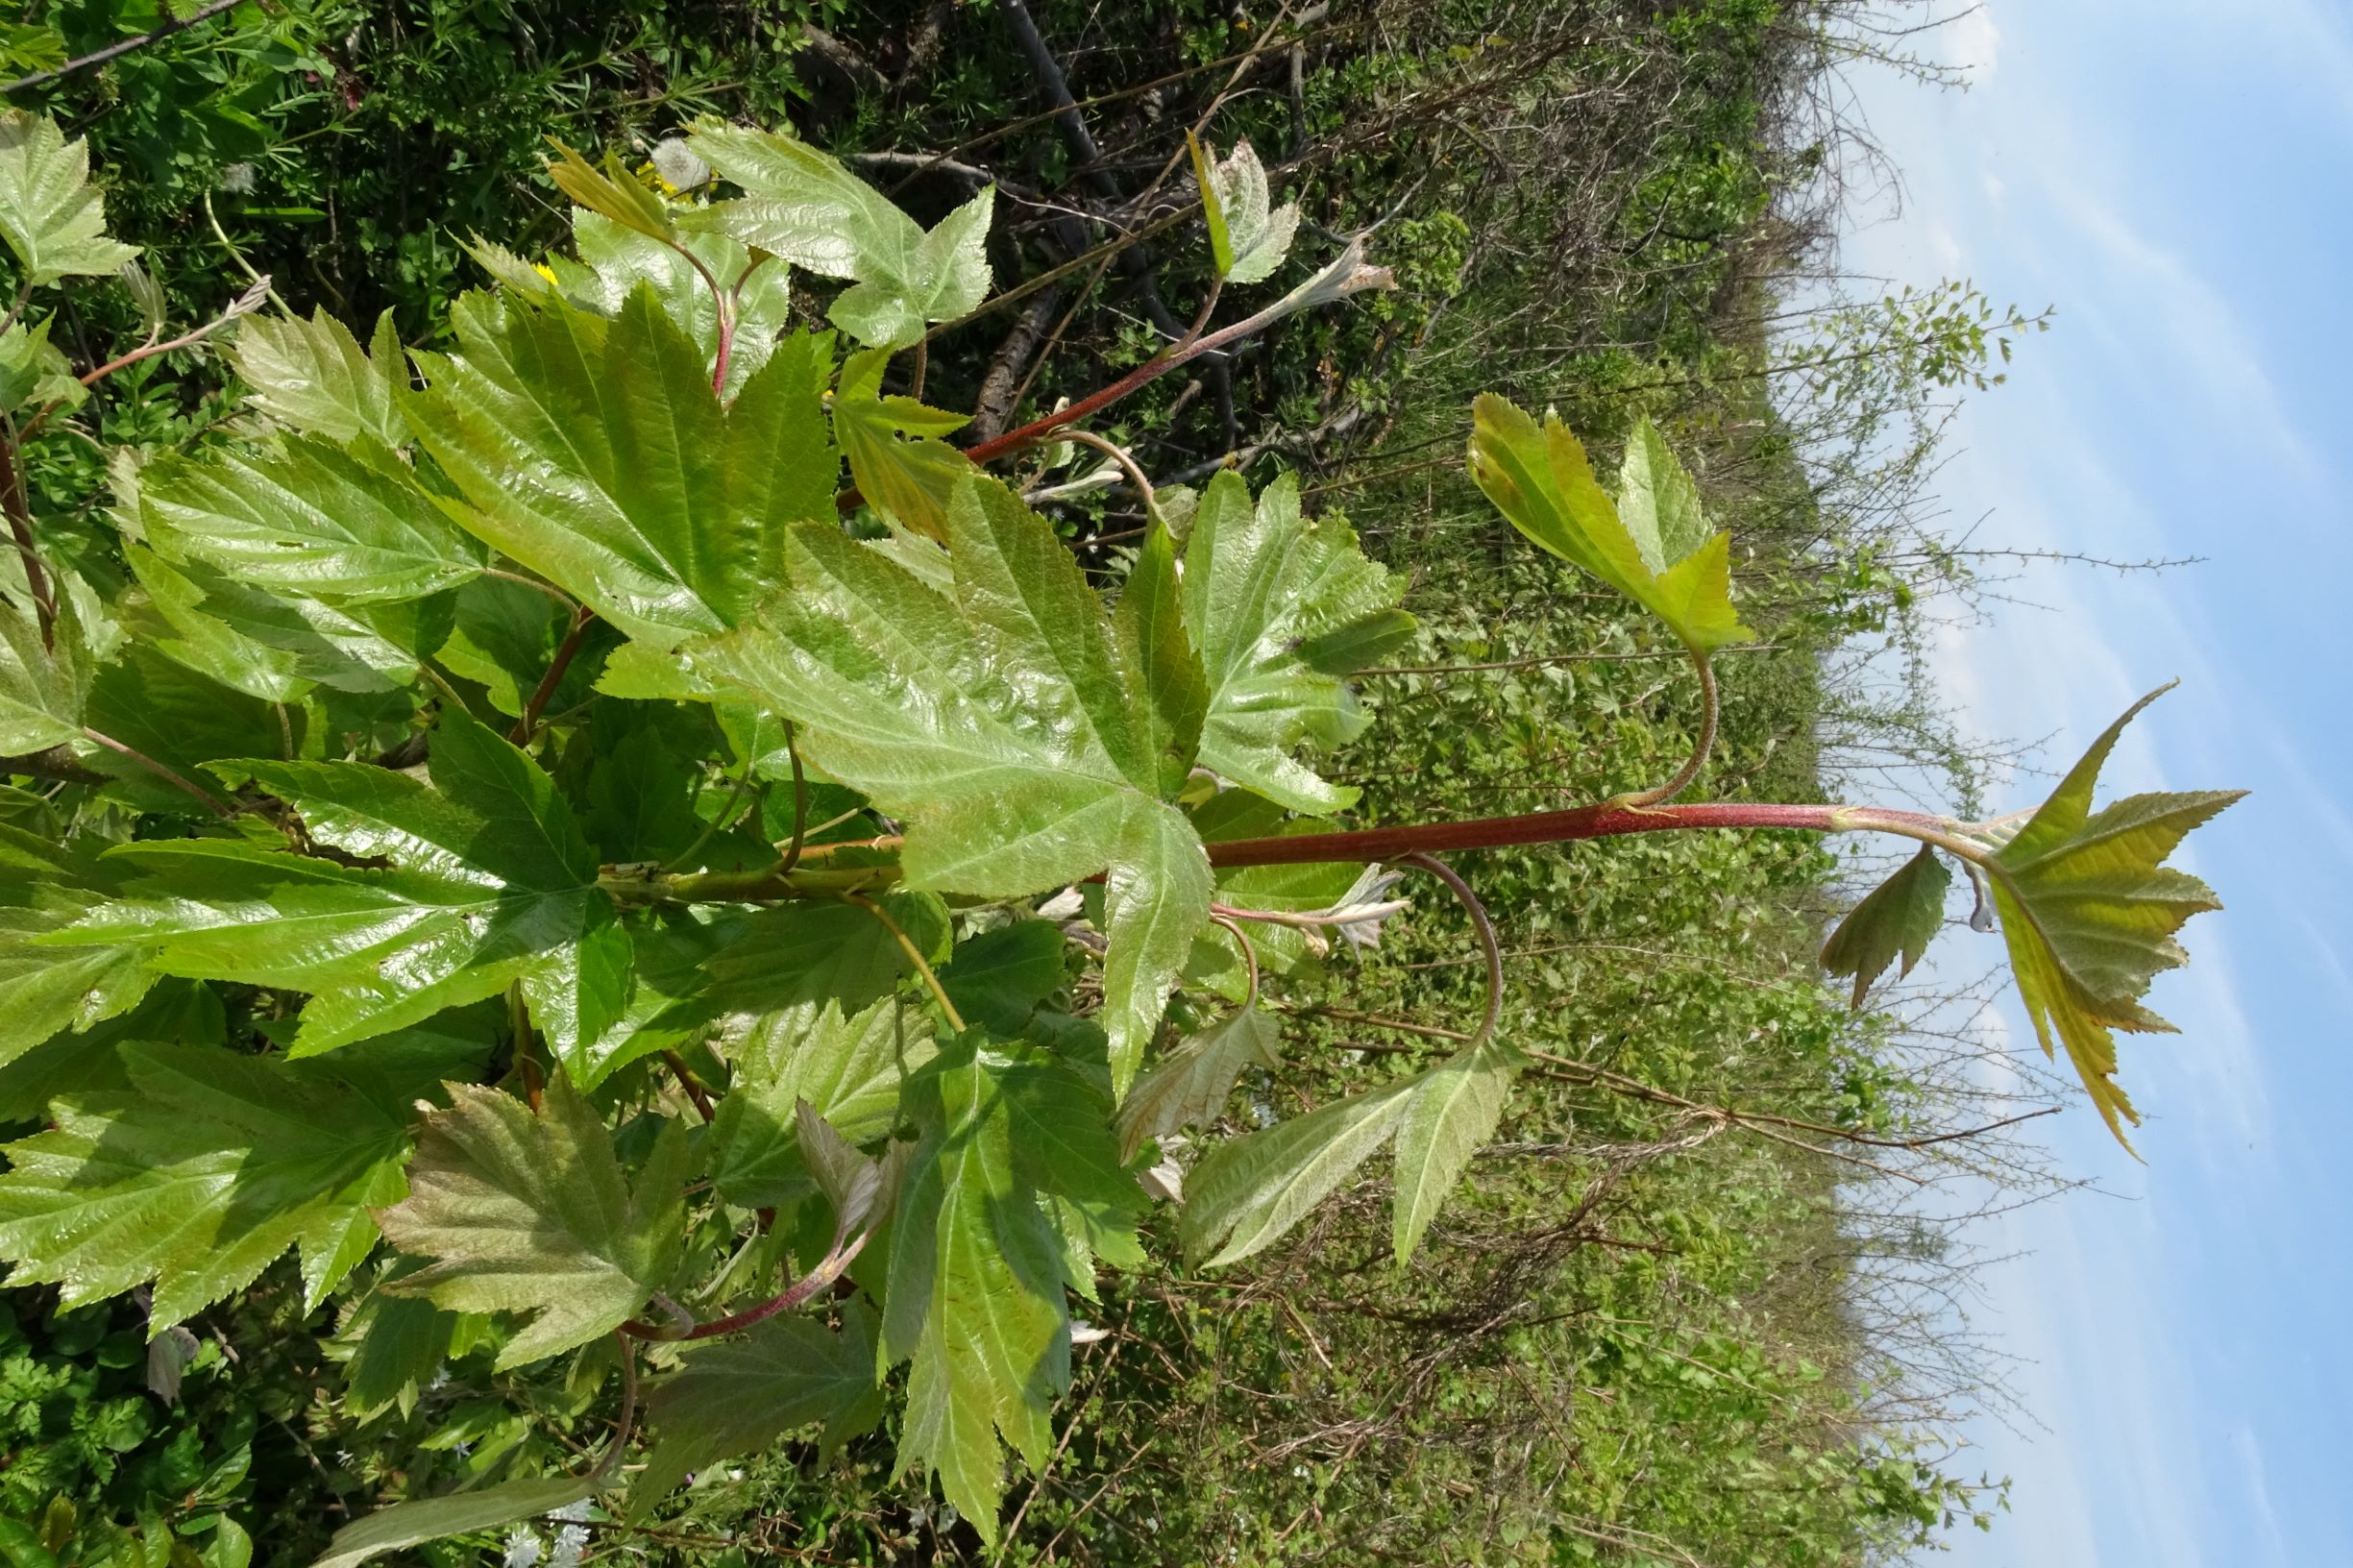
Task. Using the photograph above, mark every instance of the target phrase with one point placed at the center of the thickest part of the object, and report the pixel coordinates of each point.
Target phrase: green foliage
(1898, 917)
(841, 869)
(1651, 543)
(2089, 911)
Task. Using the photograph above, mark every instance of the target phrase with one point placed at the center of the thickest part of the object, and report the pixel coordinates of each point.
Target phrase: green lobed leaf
(740, 1395)
(614, 259)
(2089, 912)
(41, 689)
(210, 1167)
(1651, 544)
(50, 214)
(975, 1295)
(1248, 1191)
(305, 516)
(266, 646)
(998, 723)
(526, 1213)
(489, 883)
(1186, 1087)
(313, 376)
(910, 481)
(1265, 590)
(1898, 917)
(1452, 1111)
(848, 1069)
(801, 205)
(998, 977)
(36, 371)
(596, 453)
(1247, 241)
(45, 887)
(612, 192)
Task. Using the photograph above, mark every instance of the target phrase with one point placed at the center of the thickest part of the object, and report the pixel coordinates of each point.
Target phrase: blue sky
(2175, 176)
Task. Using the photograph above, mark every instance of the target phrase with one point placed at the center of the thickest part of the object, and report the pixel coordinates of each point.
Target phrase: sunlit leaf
(2089, 911)
(50, 214)
(596, 453)
(1266, 591)
(313, 376)
(801, 205)
(489, 883)
(1651, 544)
(997, 723)
(1247, 241)
(307, 518)
(41, 689)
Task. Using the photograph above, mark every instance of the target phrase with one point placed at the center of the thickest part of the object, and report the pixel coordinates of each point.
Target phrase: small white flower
(238, 178)
(523, 1548)
(570, 1542)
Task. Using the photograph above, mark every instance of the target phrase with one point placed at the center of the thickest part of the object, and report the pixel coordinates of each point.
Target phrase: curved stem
(915, 955)
(238, 257)
(13, 501)
(1250, 957)
(1126, 461)
(610, 1460)
(548, 588)
(1699, 748)
(224, 812)
(719, 824)
(1487, 938)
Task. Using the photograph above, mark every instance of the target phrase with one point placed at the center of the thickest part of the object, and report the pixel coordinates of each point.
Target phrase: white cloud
(1970, 42)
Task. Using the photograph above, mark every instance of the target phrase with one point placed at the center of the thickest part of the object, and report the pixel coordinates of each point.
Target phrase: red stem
(566, 651)
(20, 527)
(800, 1291)
(1609, 820)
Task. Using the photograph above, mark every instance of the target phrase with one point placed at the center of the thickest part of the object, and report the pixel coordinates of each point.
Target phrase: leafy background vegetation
(1666, 1337)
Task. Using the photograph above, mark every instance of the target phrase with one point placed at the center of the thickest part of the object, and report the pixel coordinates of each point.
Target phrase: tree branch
(115, 50)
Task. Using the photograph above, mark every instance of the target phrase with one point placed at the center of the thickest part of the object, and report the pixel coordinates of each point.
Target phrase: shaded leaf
(1898, 917)
(531, 1213)
(740, 1395)
(999, 977)
(975, 1296)
(1452, 1111)
(1190, 1085)
(1248, 1191)
(430, 1519)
